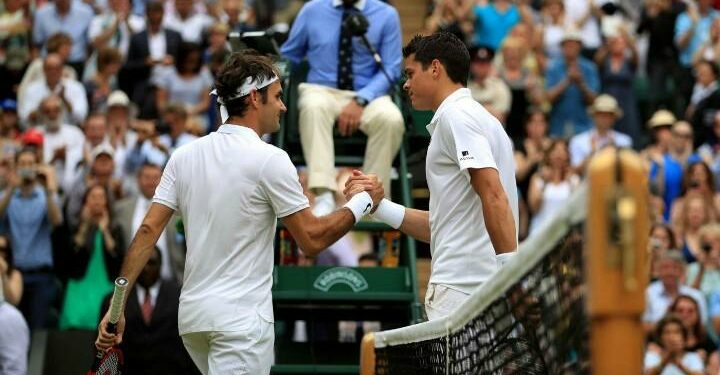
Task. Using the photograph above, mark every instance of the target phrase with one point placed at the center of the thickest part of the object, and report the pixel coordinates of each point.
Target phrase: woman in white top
(551, 185)
(673, 357)
(551, 30)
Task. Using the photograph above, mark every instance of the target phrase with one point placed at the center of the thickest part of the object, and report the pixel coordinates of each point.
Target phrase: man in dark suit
(150, 49)
(130, 212)
(152, 344)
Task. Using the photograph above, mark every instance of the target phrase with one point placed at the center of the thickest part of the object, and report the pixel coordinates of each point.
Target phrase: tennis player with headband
(230, 187)
(472, 220)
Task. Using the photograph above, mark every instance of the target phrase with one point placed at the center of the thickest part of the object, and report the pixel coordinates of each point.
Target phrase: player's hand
(107, 340)
(369, 183)
(349, 119)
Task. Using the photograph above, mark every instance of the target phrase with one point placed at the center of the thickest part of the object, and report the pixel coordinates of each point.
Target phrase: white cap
(102, 149)
(118, 98)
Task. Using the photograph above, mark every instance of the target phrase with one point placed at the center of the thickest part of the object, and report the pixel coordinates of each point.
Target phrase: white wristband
(390, 213)
(360, 205)
(503, 258)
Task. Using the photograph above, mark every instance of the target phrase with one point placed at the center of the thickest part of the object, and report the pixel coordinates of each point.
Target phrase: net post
(616, 250)
(367, 354)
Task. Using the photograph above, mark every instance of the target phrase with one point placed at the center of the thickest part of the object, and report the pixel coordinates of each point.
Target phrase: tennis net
(528, 319)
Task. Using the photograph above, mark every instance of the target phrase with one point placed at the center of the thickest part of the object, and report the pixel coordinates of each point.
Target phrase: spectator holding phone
(705, 273)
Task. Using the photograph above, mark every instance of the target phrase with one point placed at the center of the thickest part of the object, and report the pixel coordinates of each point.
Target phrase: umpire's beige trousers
(381, 121)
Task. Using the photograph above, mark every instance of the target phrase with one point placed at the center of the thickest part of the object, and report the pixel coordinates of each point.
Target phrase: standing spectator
(618, 61)
(691, 30)
(119, 117)
(29, 206)
(176, 118)
(15, 44)
(584, 16)
(693, 215)
(10, 277)
(14, 340)
(450, 16)
(59, 44)
(152, 344)
(62, 143)
(572, 84)
(152, 48)
(345, 86)
(114, 28)
(549, 34)
(70, 17)
(673, 357)
(662, 240)
(660, 294)
(704, 275)
(705, 101)
(530, 151)
(486, 88)
(605, 112)
(551, 185)
(658, 20)
(98, 248)
(709, 151)
(493, 21)
(70, 91)
(187, 83)
(189, 23)
(104, 81)
(130, 212)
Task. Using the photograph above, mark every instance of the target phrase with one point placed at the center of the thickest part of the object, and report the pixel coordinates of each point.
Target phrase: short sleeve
(693, 362)
(96, 27)
(166, 192)
(472, 147)
(206, 77)
(281, 185)
(162, 78)
(652, 359)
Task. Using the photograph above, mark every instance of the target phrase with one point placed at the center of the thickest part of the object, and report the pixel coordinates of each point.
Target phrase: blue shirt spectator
(318, 37)
(672, 175)
(69, 16)
(570, 109)
(30, 228)
(700, 33)
(493, 22)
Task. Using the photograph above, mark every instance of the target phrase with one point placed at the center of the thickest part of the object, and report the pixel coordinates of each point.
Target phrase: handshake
(359, 183)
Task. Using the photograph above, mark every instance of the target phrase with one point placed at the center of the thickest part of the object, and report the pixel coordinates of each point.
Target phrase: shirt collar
(237, 129)
(359, 4)
(460, 93)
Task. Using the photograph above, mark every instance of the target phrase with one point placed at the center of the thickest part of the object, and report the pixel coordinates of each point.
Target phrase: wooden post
(367, 354)
(617, 230)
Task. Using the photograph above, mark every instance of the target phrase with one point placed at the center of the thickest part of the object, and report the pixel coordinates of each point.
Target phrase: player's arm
(314, 234)
(140, 250)
(496, 208)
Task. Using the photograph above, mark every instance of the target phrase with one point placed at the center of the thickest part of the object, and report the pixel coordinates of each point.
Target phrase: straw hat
(662, 117)
(606, 104)
(571, 34)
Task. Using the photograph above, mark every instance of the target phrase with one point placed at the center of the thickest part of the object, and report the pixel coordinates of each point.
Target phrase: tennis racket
(111, 362)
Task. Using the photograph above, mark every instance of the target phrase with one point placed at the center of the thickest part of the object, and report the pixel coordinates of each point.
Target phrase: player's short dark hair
(239, 67)
(446, 48)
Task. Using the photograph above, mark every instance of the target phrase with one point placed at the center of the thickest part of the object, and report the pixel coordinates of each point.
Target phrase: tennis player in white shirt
(473, 218)
(230, 187)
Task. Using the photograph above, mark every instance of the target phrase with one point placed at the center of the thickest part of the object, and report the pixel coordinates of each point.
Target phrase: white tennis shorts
(233, 352)
(441, 300)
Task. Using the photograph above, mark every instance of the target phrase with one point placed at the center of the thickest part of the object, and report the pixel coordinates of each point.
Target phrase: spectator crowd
(97, 94)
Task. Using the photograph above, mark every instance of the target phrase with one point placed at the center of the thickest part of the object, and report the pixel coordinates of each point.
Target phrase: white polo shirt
(230, 187)
(464, 135)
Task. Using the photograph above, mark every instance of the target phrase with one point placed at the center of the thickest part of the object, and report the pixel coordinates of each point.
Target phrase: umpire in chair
(346, 88)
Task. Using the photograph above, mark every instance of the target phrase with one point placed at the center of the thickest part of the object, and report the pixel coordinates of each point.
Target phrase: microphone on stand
(358, 25)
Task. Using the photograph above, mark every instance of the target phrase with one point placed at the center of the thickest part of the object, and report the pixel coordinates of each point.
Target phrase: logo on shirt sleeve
(465, 155)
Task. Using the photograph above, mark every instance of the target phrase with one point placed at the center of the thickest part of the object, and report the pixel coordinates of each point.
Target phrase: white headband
(243, 90)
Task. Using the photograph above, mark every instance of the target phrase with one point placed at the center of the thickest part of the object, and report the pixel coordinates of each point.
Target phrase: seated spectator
(450, 16)
(10, 277)
(368, 260)
(217, 41)
(70, 17)
(346, 87)
(14, 340)
(112, 28)
(147, 149)
(551, 185)
(30, 206)
(98, 249)
(583, 14)
(673, 357)
(186, 21)
(9, 130)
(705, 101)
(104, 80)
(119, 117)
(704, 274)
(149, 49)
(549, 33)
(572, 84)
(62, 143)
(151, 343)
(662, 240)
(666, 173)
(70, 91)
(486, 88)
(697, 180)
(130, 212)
(235, 14)
(709, 50)
(59, 44)
(660, 294)
(618, 61)
(698, 340)
(493, 21)
(605, 112)
(100, 172)
(660, 125)
(694, 214)
(15, 41)
(530, 151)
(525, 87)
(176, 117)
(187, 83)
